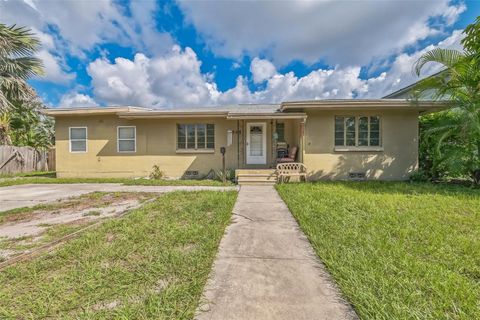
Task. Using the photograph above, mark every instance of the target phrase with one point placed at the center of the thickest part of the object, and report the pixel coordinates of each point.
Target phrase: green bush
(156, 173)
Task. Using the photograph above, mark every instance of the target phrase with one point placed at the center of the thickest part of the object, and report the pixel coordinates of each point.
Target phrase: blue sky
(168, 54)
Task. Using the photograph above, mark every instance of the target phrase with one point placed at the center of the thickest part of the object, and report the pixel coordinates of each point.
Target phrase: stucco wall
(156, 144)
(399, 158)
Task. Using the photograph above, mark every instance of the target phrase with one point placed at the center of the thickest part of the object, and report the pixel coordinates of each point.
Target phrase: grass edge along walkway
(396, 250)
(150, 264)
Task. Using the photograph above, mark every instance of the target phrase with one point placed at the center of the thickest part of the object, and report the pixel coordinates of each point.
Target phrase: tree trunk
(476, 172)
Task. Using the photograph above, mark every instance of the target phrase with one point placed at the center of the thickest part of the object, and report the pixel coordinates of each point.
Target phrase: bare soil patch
(22, 230)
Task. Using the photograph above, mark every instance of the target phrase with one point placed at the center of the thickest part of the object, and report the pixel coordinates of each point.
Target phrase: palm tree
(17, 65)
(457, 135)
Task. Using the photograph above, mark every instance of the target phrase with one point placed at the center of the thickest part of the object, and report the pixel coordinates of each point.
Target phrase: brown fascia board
(349, 104)
(89, 111)
(172, 114)
(276, 115)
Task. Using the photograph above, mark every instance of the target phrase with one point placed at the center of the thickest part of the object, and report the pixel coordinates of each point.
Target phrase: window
(280, 130)
(78, 139)
(195, 136)
(126, 139)
(360, 131)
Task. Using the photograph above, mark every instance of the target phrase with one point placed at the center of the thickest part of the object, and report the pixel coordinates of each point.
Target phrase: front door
(257, 143)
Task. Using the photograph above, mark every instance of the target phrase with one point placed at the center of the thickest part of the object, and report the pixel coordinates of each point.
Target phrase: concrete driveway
(28, 195)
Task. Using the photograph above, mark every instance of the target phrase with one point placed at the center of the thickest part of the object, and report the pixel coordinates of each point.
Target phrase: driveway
(28, 195)
(267, 269)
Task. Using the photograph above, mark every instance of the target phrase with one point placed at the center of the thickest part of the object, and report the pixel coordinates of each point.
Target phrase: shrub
(156, 173)
(419, 176)
(229, 175)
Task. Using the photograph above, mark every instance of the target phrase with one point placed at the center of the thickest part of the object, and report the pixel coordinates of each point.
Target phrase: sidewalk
(266, 268)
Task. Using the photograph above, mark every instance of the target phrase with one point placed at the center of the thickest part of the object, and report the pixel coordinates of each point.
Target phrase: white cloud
(400, 73)
(262, 70)
(81, 26)
(340, 32)
(170, 80)
(175, 80)
(54, 68)
(84, 24)
(453, 12)
(75, 100)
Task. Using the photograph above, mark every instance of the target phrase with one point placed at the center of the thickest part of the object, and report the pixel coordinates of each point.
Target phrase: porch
(262, 141)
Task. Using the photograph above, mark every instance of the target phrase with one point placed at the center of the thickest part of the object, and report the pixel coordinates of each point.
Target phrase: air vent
(356, 175)
(191, 173)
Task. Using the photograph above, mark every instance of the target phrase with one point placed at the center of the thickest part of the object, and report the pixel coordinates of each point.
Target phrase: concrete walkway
(28, 195)
(267, 269)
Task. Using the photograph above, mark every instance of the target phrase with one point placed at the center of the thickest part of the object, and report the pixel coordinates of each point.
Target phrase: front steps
(256, 177)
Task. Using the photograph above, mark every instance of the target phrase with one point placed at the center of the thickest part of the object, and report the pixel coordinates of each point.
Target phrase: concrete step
(256, 183)
(254, 171)
(256, 178)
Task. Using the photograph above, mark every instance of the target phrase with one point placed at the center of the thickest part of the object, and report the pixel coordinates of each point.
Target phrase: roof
(54, 112)
(366, 104)
(290, 109)
(405, 91)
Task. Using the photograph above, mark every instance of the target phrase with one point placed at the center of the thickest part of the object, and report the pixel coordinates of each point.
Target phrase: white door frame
(257, 159)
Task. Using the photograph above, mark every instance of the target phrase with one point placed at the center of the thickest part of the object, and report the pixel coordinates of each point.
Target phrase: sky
(172, 54)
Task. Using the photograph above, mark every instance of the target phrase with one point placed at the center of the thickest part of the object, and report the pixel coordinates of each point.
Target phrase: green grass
(50, 177)
(150, 264)
(396, 250)
(53, 232)
(93, 200)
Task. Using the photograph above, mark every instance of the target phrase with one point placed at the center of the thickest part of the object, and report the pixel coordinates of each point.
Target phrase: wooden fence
(25, 159)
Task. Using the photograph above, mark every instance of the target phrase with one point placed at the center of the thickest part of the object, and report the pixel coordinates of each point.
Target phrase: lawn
(50, 177)
(28, 228)
(396, 250)
(150, 264)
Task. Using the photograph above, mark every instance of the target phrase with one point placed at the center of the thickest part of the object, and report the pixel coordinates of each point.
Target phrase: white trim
(134, 139)
(256, 159)
(70, 139)
(195, 127)
(345, 147)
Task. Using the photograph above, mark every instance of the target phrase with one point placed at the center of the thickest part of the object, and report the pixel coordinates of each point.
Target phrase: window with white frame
(359, 131)
(78, 139)
(195, 137)
(126, 139)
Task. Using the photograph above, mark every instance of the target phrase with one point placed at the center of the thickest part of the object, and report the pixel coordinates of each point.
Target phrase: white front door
(257, 143)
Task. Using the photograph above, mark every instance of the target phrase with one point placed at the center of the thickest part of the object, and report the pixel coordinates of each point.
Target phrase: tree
(21, 122)
(456, 132)
(17, 65)
(29, 127)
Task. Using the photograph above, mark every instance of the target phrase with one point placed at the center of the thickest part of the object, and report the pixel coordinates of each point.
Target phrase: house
(336, 139)
(408, 92)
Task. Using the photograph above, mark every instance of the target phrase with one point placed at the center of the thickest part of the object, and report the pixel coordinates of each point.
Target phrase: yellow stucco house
(335, 139)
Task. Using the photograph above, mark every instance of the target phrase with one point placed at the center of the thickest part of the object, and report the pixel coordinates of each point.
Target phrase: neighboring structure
(336, 139)
(408, 91)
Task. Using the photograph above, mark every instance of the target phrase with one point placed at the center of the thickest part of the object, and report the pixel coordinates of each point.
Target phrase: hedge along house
(335, 139)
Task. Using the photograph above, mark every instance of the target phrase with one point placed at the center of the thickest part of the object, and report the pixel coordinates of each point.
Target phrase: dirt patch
(5, 254)
(22, 230)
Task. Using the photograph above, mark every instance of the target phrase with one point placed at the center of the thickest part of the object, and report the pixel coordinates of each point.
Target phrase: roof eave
(90, 111)
(365, 104)
(172, 115)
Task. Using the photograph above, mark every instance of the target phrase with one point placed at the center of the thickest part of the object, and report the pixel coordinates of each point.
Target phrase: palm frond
(447, 57)
(22, 67)
(17, 41)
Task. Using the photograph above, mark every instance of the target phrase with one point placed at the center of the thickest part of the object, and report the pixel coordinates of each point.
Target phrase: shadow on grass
(406, 188)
